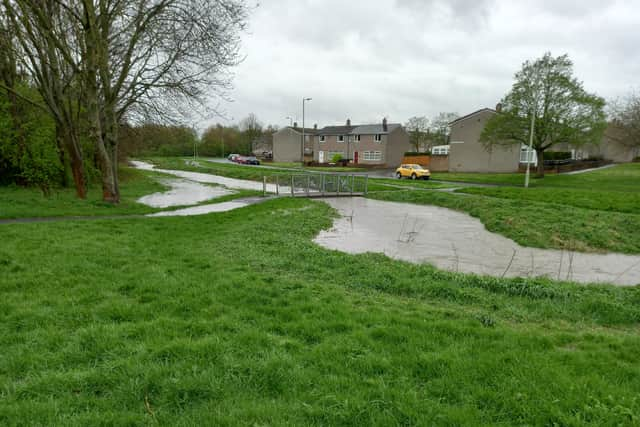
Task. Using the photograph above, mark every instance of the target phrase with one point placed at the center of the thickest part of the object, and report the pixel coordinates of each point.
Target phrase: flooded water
(455, 241)
(183, 193)
(206, 178)
(212, 208)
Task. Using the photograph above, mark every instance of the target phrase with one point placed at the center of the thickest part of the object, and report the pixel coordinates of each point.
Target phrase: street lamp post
(302, 145)
(529, 154)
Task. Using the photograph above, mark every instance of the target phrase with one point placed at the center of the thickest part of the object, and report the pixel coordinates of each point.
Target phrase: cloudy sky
(399, 58)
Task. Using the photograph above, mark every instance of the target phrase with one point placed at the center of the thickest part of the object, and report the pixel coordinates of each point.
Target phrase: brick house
(381, 144)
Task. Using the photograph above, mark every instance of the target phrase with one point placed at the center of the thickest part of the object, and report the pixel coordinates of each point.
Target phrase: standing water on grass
(455, 241)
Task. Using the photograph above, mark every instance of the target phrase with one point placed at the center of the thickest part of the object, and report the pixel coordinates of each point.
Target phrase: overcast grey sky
(399, 58)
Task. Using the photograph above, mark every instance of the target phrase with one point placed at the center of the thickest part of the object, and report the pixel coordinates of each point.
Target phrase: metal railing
(316, 185)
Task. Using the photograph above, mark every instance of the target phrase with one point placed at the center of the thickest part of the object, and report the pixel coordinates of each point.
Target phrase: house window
(340, 138)
(322, 138)
(527, 156)
(372, 156)
(357, 138)
(440, 150)
(378, 138)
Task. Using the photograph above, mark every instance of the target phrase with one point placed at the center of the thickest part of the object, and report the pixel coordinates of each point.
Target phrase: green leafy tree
(546, 92)
(219, 141)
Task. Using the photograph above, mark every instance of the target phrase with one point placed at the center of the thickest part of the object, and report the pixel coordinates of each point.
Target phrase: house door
(320, 156)
(355, 157)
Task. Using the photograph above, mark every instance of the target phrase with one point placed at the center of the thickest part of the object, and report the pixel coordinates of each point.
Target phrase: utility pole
(529, 151)
(302, 145)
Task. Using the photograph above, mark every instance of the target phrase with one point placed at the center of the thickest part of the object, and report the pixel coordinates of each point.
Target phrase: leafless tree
(626, 117)
(418, 128)
(251, 131)
(132, 59)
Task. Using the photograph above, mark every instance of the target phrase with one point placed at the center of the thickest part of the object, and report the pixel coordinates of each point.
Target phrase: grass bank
(184, 322)
(20, 202)
(553, 225)
(293, 165)
(625, 177)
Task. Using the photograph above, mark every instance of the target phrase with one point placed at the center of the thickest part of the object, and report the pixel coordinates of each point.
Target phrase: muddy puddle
(183, 193)
(211, 208)
(455, 241)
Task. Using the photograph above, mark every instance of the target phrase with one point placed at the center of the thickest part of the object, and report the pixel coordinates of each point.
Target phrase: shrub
(557, 155)
(416, 153)
(336, 158)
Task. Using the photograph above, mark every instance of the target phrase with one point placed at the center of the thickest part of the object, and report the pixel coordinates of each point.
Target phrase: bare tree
(418, 128)
(626, 117)
(251, 131)
(132, 59)
(439, 129)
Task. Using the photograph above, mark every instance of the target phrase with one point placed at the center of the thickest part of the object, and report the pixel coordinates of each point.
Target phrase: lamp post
(302, 145)
(529, 156)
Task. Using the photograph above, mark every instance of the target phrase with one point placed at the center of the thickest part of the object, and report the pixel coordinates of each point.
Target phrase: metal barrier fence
(316, 185)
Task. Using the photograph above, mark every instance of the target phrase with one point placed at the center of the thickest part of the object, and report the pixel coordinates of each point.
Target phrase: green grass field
(625, 177)
(294, 165)
(239, 319)
(20, 202)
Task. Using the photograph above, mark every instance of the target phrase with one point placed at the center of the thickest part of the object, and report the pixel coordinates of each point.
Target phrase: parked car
(251, 161)
(233, 157)
(240, 159)
(412, 171)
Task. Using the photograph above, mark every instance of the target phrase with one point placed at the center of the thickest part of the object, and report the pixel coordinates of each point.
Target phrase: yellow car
(413, 172)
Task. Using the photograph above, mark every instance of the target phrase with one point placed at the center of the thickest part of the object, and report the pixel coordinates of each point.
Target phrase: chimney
(499, 107)
(315, 126)
(295, 124)
(384, 125)
(348, 122)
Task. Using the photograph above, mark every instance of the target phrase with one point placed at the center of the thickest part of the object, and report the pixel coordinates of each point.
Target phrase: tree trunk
(93, 55)
(111, 143)
(76, 161)
(540, 172)
(62, 158)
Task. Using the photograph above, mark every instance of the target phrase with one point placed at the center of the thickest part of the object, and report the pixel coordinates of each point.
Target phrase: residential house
(287, 143)
(369, 144)
(467, 154)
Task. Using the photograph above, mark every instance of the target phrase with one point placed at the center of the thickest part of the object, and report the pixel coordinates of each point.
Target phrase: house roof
(358, 129)
(336, 130)
(468, 116)
(310, 131)
(375, 129)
